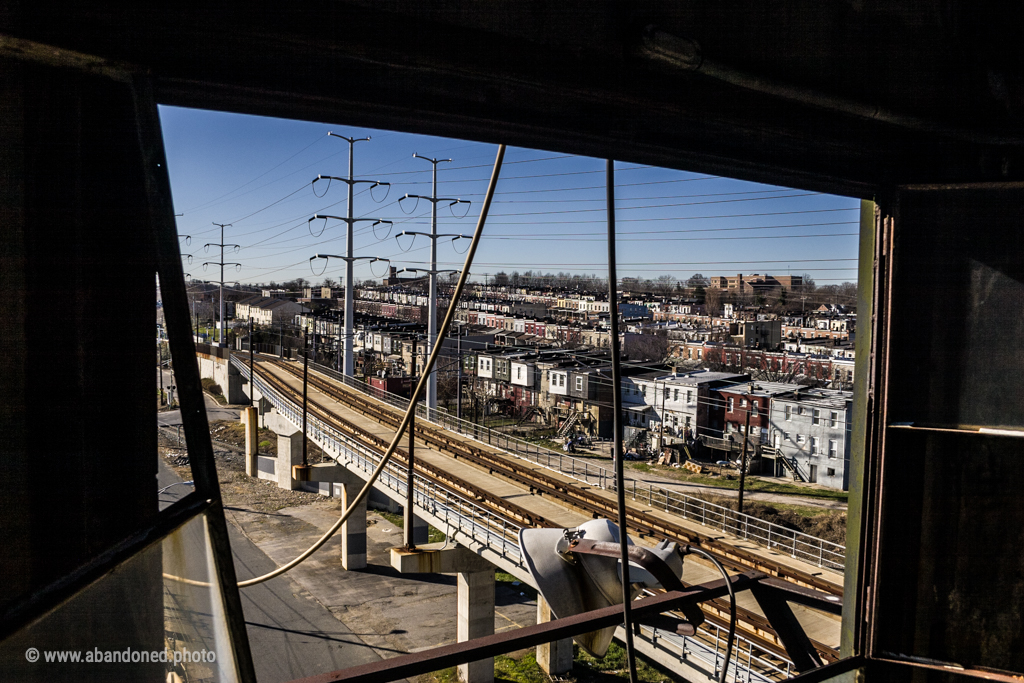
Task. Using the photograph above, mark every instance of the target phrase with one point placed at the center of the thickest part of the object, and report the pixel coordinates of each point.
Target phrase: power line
(210, 203)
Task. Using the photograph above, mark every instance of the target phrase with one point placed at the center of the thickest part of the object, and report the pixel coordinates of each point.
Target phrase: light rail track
(580, 497)
(753, 626)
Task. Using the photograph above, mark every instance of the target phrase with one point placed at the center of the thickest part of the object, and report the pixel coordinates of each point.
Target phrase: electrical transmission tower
(221, 263)
(433, 272)
(351, 181)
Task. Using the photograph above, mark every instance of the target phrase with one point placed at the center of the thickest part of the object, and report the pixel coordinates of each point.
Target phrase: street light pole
(743, 461)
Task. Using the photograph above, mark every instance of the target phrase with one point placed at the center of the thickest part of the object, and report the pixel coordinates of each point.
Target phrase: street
(291, 634)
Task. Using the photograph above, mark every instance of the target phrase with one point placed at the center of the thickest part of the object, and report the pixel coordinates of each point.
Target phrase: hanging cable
(620, 486)
(732, 608)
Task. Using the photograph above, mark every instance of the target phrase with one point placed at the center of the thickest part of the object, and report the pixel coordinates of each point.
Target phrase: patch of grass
(753, 484)
(614, 664)
(212, 388)
(448, 675)
(829, 525)
(506, 578)
(544, 442)
(521, 669)
(433, 535)
(642, 467)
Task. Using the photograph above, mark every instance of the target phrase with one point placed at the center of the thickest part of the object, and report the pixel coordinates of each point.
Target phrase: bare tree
(713, 301)
(664, 284)
(647, 346)
(697, 280)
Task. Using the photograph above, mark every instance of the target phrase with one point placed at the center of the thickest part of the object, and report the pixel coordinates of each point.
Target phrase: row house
(815, 367)
(750, 403)
(674, 407)
(842, 372)
(815, 332)
(268, 311)
(810, 432)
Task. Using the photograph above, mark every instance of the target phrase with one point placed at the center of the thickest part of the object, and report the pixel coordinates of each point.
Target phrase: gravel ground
(238, 490)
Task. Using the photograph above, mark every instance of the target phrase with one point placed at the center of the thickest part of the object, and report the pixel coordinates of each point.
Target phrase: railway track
(754, 626)
(578, 496)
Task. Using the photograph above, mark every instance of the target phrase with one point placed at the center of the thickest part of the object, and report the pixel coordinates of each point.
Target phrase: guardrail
(797, 544)
(502, 536)
(480, 524)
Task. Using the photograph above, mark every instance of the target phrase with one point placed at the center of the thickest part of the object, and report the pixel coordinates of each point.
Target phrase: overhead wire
(406, 420)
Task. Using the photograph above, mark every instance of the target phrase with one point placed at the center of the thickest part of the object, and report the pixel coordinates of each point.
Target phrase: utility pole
(351, 181)
(410, 537)
(432, 295)
(743, 461)
(349, 337)
(251, 375)
(305, 393)
(160, 369)
(458, 404)
(221, 263)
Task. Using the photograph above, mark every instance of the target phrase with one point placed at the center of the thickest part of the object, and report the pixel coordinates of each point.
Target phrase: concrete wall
(231, 382)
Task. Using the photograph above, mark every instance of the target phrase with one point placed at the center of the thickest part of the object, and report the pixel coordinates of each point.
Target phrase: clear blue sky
(548, 214)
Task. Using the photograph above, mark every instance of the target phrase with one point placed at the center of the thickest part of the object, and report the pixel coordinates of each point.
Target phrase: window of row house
(816, 417)
(731, 405)
(833, 418)
(789, 413)
(579, 384)
(833, 448)
(815, 445)
(689, 397)
(753, 409)
(675, 394)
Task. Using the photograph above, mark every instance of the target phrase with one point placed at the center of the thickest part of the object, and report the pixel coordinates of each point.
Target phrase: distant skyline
(548, 213)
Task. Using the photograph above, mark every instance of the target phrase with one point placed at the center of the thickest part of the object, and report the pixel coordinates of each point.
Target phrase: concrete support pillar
(249, 419)
(476, 619)
(353, 532)
(265, 408)
(289, 450)
(420, 528)
(554, 657)
(289, 453)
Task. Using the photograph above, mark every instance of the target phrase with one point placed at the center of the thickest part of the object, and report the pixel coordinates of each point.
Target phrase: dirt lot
(238, 490)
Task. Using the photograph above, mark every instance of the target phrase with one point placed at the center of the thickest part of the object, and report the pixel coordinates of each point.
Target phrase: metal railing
(478, 523)
(750, 663)
(797, 544)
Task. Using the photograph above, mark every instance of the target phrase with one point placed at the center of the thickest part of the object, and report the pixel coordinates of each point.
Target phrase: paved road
(214, 410)
(291, 634)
